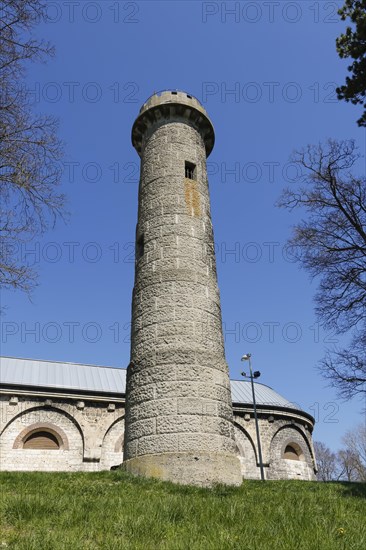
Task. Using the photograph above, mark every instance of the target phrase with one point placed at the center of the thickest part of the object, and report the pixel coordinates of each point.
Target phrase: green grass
(114, 510)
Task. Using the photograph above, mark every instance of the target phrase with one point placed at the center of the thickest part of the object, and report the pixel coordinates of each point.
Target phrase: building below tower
(58, 416)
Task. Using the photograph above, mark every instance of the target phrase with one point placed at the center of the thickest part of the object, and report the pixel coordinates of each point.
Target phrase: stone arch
(291, 450)
(56, 431)
(284, 467)
(118, 447)
(54, 420)
(112, 446)
(247, 452)
(301, 435)
(46, 408)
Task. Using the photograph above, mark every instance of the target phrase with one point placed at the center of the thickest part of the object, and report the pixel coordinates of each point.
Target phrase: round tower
(179, 412)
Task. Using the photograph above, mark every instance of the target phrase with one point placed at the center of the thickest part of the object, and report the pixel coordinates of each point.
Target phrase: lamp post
(256, 374)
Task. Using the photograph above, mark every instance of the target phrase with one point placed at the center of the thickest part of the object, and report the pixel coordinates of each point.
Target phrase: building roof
(241, 392)
(62, 376)
(56, 375)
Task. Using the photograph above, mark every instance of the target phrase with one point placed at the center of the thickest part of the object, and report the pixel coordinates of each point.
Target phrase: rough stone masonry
(179, 419)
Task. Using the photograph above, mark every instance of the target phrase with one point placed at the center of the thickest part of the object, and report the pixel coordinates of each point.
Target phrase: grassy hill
(114, 510)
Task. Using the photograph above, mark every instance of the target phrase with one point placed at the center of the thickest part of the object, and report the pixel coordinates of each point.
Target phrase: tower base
(188, 468)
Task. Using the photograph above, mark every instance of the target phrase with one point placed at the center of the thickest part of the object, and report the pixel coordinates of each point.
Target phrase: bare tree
(355, 444)
(346, 461)
(326, 461)
(29, 146)
(330, 243)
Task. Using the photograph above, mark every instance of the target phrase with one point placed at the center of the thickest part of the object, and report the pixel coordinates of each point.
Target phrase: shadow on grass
(351, 489)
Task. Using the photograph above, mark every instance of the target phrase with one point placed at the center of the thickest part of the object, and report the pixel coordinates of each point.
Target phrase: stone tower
(179, 412)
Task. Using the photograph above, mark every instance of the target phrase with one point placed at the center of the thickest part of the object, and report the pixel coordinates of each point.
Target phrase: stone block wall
(277, 430)
(90, 435)
(178, 390)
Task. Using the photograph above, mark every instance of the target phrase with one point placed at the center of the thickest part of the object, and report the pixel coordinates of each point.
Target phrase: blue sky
(266, 73)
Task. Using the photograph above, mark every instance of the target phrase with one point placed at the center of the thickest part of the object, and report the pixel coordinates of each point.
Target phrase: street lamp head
(256, 374)
(246, 357)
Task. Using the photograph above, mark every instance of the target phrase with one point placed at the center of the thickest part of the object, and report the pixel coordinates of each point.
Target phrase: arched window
(42, 435)
(41, 440)
(293, 452)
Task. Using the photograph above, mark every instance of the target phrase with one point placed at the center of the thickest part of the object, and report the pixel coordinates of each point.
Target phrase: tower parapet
(172, 105)
(179, 411)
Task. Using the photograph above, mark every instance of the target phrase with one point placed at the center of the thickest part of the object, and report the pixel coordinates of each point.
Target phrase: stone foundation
(187, 468)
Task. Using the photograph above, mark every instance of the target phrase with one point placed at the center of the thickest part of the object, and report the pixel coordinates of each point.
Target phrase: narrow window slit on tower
(140, 245)
(190, 170)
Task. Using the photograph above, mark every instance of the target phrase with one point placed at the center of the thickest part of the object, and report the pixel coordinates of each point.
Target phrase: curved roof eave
(72, 377)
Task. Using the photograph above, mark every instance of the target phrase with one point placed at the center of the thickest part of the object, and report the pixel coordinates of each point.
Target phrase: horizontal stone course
(195, 405)
(142, 428)
(177, 424)
(150, 375)
(152, 409)
(205, 442)
(141, 394)
(162, 443)
(190, 388)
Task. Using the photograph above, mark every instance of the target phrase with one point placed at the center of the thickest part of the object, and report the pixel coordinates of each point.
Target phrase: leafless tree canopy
(330, 243)
(349, 463)
(355, 443)
(29, 146)
(326, 461)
